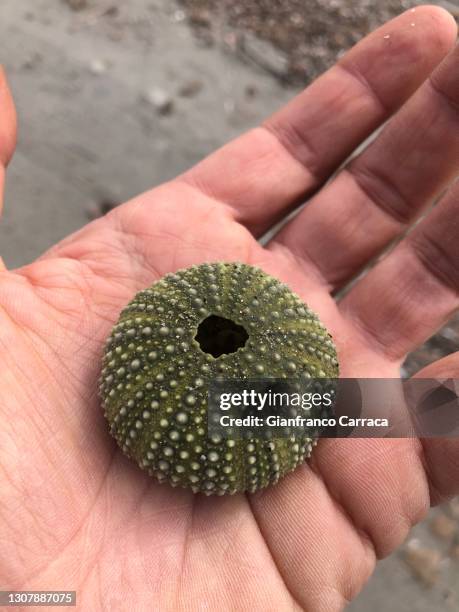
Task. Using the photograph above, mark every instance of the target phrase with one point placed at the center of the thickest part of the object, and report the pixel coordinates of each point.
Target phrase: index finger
(265, 173)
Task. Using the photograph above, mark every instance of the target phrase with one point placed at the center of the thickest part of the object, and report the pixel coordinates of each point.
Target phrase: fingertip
(443, 369)
(444, 22)
(438, 30)
(441, 31)
(8, 120)
(404, 51)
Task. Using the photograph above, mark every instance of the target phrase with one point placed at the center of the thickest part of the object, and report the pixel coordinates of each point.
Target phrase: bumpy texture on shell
(155, 375)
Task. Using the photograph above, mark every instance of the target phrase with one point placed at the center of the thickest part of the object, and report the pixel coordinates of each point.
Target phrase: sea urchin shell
(173, 339)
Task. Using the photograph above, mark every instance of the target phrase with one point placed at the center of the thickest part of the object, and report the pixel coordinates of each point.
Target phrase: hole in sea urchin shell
(219, 336)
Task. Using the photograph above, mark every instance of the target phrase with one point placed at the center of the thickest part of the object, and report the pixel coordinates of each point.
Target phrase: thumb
(7, 122)
(7, 130)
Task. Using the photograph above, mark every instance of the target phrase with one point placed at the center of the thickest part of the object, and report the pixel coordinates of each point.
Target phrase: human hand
(76, 514)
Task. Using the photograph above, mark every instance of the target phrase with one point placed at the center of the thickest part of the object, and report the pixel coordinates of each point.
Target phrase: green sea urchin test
(173, 339)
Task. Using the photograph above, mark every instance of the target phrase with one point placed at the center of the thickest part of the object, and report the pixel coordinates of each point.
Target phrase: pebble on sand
(160, 100)
(77, 5)
(189, 89)
(98, 66)
(424, 564)
(444, 527)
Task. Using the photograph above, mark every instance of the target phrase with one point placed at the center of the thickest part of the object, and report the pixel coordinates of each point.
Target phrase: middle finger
(379, 194)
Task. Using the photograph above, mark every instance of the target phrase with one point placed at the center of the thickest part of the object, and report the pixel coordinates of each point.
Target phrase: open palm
(76, 514)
